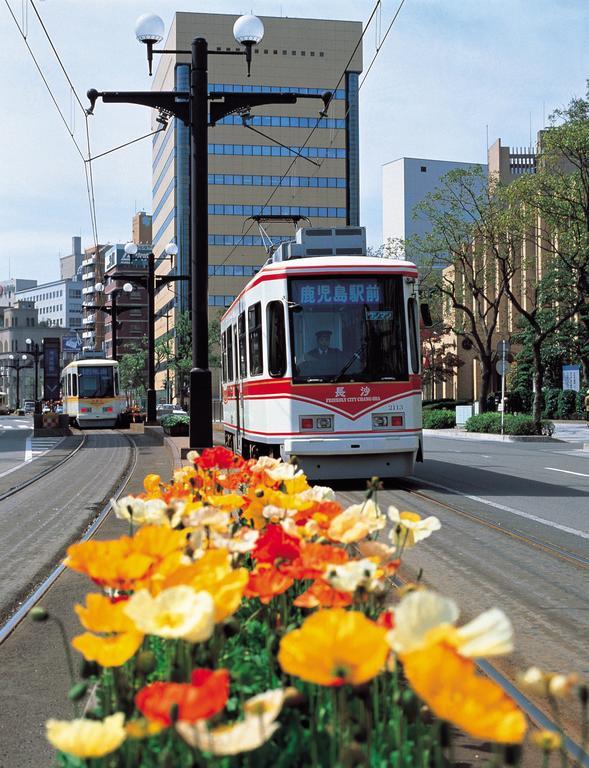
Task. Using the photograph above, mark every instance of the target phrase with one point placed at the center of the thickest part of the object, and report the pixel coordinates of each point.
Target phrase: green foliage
(439, 419)
(443, 404)
(133, 369)
(490, 423)
(550, 399)
(567, 403)
(175, 420)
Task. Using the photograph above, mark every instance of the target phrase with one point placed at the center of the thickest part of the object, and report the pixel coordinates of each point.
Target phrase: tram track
(15, 617)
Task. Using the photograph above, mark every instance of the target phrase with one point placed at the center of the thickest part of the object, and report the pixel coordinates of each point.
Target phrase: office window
(254, 324)
(423, 168)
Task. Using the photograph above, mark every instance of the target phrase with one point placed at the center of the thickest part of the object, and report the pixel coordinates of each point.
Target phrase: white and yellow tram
(321, 359)
(91, 393)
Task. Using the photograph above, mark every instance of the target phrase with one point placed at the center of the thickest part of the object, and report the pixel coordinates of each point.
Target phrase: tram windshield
(95, 381)
(348, 329)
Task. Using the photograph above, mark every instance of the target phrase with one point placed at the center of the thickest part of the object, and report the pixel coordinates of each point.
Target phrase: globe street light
(35, 353)
(195, 111)
(17, 363)
(114, 310)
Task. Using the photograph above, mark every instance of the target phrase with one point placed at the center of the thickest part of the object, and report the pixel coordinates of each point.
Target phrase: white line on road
(567, 471)
(28, 450)
(505, 508)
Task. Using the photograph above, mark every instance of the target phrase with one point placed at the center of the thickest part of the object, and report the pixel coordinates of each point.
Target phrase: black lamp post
(114, 311)
(17, 364)
(36, 353)
(151, 283)
(193, 108)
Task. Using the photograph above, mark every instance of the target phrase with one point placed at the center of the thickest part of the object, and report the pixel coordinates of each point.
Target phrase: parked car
(164, 409)
(178, 411)
(29, 407)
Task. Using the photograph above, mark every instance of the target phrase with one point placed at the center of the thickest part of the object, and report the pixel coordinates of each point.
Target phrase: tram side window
(276, 339)
(242, 343)
(223, 357)
(413, 334)
(74, 385)
(229, 346)
(254, 324)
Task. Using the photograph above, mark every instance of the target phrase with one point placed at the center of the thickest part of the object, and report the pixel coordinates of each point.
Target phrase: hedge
(439, 419)
(490, 423)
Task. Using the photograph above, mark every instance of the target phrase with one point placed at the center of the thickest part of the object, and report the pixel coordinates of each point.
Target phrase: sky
(449, 72)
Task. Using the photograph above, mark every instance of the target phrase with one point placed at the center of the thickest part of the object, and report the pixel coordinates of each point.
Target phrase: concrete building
(69, 265)
(92, 319)
(9, 289)
(59, 303)
(19, 322)
(405, 183)
(245, 167)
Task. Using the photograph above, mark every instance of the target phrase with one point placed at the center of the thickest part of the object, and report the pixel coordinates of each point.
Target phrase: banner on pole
(51, 368)
(571, 377)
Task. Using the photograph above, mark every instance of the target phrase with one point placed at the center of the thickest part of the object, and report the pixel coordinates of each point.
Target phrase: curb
(459, 435)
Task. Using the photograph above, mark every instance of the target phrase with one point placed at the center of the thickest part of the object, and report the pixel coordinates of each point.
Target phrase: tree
(440, 360)
(468, 235)
(550, 211)
(132, 371)
(174, 351)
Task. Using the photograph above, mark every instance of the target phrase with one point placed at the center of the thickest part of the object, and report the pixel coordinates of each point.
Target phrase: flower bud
(38, 613)
(174, 712)
(89, 669)
(146, 662)
(77, 691)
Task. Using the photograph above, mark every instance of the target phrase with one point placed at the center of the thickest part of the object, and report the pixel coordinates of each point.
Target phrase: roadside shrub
(442, 405)
(550, 409)
(439, 419)
(580, 401)
(567, 403)
(175, 421)
(490, 423)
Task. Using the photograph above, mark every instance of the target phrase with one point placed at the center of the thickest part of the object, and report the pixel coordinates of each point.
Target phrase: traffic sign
(502, 366)
(503, 347)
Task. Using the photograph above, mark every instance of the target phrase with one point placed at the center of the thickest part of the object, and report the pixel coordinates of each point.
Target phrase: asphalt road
(38, 522)
(14, 431)
(516, 537)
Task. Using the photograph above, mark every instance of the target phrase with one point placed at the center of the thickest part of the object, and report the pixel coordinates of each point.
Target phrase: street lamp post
(36, 353)
(192, 107)
(114, 310)
(150, 283)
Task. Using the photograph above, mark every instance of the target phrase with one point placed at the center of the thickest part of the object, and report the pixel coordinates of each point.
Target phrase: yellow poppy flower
(178, 612)
(102, 615)
(356, 522)
(451, 687)
(409, 528)
(87, 738)
(142, 728)
(547, 740)
(226, 501)
(151, 483)
(112, 651)
(213, 574)
(334, 647)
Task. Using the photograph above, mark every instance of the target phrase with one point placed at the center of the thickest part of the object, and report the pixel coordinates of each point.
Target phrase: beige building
(505, 164)
(245, 167)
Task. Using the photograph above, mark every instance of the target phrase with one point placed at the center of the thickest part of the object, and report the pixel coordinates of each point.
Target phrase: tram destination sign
(353, 291)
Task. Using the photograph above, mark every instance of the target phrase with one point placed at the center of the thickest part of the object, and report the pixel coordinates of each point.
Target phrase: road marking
(567, 471)
(505, 508)
(28, 450)
(37, 446)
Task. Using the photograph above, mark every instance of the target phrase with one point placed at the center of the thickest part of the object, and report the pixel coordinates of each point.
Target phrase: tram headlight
(316, 423)
(388, 420)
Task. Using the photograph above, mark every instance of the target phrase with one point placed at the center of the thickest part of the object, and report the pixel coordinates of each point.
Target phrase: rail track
(17, 616)
(577, 755)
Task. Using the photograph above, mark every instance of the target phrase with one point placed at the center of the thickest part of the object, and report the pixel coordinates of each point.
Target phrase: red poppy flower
(218, 457)
(322, 595)
(200, 699)
(266, 582)
(386, 619)
(276, 544)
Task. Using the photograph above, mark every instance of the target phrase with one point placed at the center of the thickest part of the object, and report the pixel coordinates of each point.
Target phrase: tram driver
(323, 350)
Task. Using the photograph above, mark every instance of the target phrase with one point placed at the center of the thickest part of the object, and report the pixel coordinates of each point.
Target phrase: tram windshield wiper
(355, 356)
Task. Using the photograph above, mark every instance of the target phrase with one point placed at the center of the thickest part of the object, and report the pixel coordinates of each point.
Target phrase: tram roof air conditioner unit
(323, 241)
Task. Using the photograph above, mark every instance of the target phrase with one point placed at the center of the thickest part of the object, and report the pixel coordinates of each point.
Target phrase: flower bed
(246, 620)
(177, 425)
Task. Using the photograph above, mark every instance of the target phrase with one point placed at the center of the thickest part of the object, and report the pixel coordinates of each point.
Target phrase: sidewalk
(461, 434)
(176, 444)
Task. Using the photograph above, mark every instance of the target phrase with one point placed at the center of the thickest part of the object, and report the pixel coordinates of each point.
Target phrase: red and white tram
(321, 359)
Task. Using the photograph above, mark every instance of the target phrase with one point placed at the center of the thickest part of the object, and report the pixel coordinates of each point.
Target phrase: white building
(59, 304)
(9, 288)
(405, 183)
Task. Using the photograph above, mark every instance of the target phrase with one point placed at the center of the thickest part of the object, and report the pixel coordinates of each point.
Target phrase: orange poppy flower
(454, 691)
(322, 595)
(320, 512)
(203, 697)
(266, 582)
(275, 544)
(314, 560)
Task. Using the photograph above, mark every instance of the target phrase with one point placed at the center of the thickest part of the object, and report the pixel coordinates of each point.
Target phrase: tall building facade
(58, 303)
(305, 56)
(405, 183)
(9, 288)
(69, 266)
